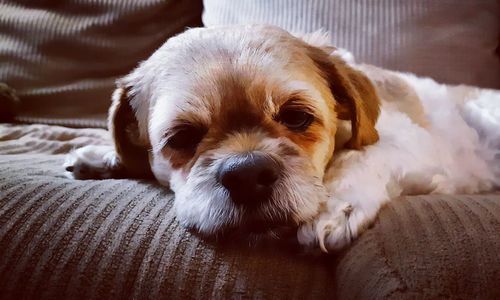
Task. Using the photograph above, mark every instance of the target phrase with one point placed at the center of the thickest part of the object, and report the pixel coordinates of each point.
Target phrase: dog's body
(434, 139)
(217, 109)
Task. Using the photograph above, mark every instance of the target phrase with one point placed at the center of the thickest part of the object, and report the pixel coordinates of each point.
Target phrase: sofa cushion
(63, 57)
(69, 239)
(451, 41)
(427, 247)
(118, 239)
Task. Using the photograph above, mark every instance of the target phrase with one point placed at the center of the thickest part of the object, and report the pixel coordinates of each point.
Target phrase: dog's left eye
(186, 138)
(295, 119)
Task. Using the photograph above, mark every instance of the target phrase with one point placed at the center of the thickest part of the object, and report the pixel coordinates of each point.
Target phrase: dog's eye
(186, 138)
(295, 119)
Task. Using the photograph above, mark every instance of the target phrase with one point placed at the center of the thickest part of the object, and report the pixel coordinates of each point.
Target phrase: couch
(118, 239)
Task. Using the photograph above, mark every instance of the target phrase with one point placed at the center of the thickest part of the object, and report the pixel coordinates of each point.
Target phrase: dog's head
(240, 122)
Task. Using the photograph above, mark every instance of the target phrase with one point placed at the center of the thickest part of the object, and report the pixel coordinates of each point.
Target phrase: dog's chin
(253, 229)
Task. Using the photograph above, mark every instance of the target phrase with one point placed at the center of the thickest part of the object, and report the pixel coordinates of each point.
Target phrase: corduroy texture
(63, 57)
(427, 247)
(452, 41)
(118, 239)
(67, 239)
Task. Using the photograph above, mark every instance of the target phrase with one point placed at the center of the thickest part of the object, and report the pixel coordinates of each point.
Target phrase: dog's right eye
(186, 138)
(295, 119)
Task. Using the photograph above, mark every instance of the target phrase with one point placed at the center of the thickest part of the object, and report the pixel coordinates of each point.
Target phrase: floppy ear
(355, 96)
(131, 150)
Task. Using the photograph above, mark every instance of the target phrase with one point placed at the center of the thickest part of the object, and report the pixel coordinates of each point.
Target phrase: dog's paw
(92, 162)
(331, 230)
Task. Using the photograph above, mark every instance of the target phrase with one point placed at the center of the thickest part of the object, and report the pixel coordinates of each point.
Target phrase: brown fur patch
(177, 158)
(306, 140)
(123, 126)
(355, 95)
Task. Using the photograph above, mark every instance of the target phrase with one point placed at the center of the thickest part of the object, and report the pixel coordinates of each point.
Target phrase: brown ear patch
(355, 96)
(123, 126)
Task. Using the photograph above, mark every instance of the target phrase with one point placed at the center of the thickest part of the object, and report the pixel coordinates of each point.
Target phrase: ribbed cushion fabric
(63, 57)
(118, 239)
(427, 247)
(452, 41)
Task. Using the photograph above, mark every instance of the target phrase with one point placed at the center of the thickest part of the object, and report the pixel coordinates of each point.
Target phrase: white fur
(459, 152)
(321, 39)
(91, 161)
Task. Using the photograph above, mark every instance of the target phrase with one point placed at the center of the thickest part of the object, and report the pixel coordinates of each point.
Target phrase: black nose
(249, 177)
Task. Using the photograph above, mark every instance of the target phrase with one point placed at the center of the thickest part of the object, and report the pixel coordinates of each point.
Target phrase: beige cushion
(63, 57)
(451, 41)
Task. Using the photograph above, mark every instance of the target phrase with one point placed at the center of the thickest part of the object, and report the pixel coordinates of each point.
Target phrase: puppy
(256, 129)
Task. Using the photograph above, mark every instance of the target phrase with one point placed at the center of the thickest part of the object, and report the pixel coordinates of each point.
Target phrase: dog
(256, 129)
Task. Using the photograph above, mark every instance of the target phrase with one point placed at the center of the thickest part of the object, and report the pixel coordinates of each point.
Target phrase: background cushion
(452, 41)
(63, 57)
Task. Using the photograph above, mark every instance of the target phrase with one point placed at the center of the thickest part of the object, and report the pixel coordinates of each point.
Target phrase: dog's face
(241, 122)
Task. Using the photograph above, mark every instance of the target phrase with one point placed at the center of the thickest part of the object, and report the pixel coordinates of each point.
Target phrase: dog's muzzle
(249, 178)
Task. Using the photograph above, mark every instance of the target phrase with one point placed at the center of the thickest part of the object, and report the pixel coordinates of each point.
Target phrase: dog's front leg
(332, 230)
(336, 227)
(356, 194)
